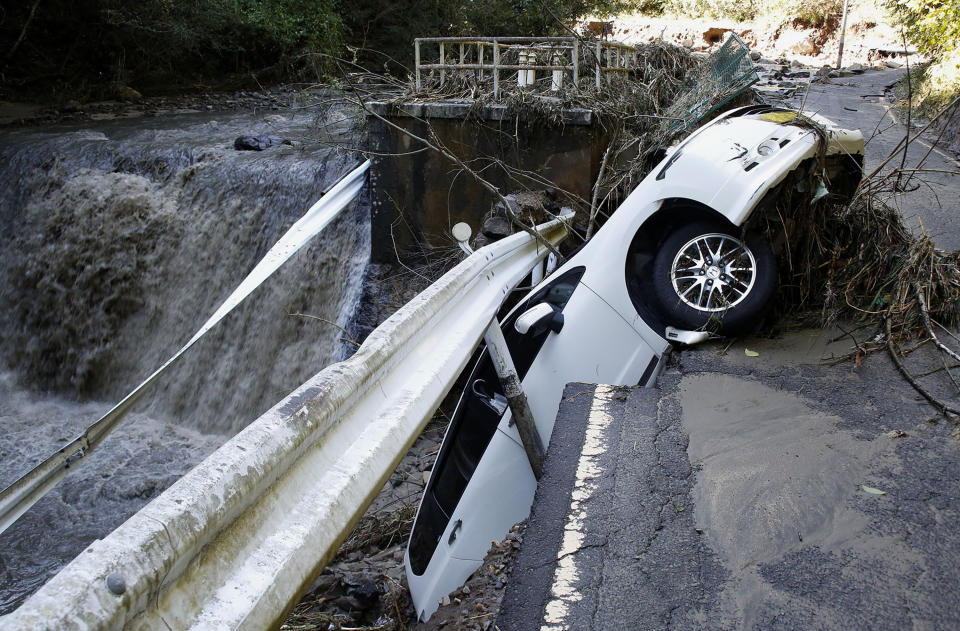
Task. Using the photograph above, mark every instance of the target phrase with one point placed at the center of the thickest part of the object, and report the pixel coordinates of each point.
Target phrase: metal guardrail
(553, 59)
(236, 541)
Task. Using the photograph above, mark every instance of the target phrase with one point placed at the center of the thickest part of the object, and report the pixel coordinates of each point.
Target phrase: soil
(868, 41)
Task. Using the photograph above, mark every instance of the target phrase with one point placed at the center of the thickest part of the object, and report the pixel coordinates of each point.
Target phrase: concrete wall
(417, 197)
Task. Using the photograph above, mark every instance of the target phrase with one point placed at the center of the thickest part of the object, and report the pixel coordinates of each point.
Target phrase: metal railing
(725, 74)
(533, 61)
(237, 540)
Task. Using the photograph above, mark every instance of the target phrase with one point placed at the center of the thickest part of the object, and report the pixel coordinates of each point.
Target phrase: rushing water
(117, 241)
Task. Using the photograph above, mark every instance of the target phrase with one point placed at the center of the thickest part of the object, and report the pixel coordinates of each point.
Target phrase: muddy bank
(868, 40)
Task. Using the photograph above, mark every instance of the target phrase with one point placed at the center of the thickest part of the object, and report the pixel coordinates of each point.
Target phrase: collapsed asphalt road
(758, 492)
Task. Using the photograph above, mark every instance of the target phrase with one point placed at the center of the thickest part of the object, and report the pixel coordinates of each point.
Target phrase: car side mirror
(539, 317)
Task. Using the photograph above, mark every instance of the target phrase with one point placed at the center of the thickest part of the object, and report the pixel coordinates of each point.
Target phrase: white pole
(843, 32)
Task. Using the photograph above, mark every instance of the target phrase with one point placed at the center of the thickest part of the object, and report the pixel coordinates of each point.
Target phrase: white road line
(893, 116)
(564, 592)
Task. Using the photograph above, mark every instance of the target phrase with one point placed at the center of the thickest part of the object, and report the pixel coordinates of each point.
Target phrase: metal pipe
(480, 61)
(516, 399)
(442, 65)
(503, 67)
(496, 69)
(576, 62)
(598, 73)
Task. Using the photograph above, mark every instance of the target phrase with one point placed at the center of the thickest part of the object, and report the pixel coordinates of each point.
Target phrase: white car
(673, 262)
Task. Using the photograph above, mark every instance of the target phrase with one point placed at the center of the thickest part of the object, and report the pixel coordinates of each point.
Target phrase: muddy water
(775, 476)
(116, 243)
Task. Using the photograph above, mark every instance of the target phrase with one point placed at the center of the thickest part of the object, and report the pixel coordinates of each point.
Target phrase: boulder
(496, 227)
(798, 42)
(258, 143)
(126, 93)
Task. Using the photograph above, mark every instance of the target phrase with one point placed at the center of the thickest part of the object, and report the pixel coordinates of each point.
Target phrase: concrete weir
(418, 195)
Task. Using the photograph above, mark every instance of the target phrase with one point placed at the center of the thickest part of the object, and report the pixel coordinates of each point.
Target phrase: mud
(776, 476)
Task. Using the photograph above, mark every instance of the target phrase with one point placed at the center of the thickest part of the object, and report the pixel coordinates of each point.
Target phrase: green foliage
(807, 13)
(63, 45)
(389, 27)
(740, 10)
(66, 44)
(932, 25)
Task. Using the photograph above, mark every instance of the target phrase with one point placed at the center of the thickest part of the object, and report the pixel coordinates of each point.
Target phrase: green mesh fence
(726, 73)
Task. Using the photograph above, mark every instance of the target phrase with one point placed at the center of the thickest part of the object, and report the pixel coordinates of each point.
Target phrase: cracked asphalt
(742, 495)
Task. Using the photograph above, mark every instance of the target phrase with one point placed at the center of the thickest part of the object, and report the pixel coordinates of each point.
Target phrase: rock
(514, 206)
(347, 603)
(803, 74)
(481, 240)
(258, 143)
(366, 594)
(797, 42)
(71, 106)
(687, 43)
(855, 68)
(126, 93)
(496, 227)
(892, 64)
(755, 55)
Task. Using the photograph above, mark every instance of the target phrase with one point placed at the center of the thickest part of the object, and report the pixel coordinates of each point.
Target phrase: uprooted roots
(858, 263)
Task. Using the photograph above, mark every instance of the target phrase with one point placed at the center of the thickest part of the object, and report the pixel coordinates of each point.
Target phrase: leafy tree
(932, 25)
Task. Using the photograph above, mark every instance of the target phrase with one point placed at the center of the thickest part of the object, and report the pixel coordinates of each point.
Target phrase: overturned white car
(673, 262)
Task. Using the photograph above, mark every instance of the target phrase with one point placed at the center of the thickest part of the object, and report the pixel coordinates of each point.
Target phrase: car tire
(698, 290)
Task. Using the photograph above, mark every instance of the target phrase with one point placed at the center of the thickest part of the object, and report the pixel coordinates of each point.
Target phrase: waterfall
(116, 243)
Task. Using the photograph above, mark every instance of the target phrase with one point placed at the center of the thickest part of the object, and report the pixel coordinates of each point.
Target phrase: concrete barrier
(235, 542)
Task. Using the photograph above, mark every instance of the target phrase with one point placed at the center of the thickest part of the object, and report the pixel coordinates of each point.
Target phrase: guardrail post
(416, 58)
(519, 407)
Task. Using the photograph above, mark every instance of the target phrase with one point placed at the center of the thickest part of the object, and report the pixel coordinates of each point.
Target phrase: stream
(117, 240)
